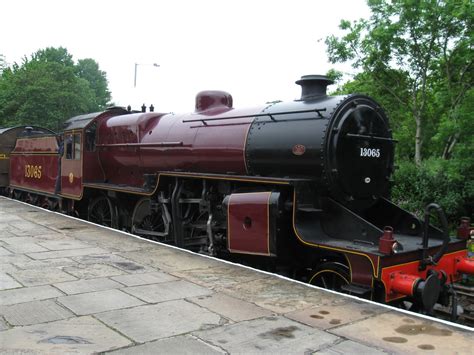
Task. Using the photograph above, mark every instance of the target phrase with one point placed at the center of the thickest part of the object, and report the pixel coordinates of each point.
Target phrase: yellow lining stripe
(417, 261)
(245, 147)
(35, 153)
(375, 271)
(192, 175)
(327, 270)
(387, 269)
(28, 189)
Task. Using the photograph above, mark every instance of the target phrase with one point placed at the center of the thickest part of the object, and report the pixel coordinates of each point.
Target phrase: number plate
(370, 152)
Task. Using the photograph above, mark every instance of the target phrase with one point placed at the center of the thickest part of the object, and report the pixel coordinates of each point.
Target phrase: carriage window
(77, 146)
(68, 144)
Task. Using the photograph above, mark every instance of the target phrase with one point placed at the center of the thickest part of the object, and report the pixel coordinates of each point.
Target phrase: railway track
(465, 307)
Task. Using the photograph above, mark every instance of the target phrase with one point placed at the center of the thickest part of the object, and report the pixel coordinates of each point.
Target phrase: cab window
(68, 143)
(77, 146)
(73, 146)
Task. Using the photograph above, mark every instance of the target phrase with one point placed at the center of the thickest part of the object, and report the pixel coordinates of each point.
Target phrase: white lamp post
(135, 77)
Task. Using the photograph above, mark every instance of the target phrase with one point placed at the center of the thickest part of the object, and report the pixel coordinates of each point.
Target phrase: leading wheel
(331, 275)
(102, 211)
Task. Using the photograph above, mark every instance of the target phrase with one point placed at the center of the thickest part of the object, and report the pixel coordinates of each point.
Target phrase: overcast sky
(254, 49)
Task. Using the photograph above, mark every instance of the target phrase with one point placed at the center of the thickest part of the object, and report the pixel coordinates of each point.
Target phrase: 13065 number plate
(370, 152)
(33, 171)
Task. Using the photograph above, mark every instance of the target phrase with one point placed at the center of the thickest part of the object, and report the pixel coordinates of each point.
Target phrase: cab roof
(81, 121)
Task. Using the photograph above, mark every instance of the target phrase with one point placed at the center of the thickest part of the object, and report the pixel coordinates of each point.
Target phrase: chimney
(313, 86)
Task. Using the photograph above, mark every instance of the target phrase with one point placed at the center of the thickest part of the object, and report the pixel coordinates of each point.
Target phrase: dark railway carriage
(298, 187)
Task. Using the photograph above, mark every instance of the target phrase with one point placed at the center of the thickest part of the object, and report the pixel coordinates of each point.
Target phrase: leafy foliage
(88, 69)
(448, 183)
(3, 63)
(415, 57)
(49, 88)
(408, 47)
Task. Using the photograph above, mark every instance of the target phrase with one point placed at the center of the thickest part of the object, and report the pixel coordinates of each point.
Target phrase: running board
(358, 290)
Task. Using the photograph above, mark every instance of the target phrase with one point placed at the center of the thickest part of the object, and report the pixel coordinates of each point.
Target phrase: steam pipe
(432, 260)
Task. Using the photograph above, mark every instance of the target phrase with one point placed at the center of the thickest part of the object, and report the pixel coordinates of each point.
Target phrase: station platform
(68, 286)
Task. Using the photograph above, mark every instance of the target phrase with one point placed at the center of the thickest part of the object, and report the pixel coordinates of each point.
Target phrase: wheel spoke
(331, 275)
(145, 219)
(100, 212)
(323, 281)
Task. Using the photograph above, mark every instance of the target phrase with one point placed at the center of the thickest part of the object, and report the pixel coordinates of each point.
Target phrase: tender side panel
(34, 164)
(4, 168)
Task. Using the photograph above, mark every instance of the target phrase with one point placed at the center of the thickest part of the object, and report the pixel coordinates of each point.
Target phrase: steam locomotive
(297, 187)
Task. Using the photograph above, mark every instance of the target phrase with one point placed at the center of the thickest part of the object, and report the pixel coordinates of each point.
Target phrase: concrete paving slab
(7, 268)
(230, 307)
(28, 228)
(34, 312)
(66, 253)
(7, 217)
(271, 335)
(280, 296)
(40, 264)
(84, 335)
(25, 248)
(144, 279)
(330, 316)
(132, 267)
(108, 258)
(14, 258)
(404, 334)
(101, 301)
(126, 265)
(52, 235)
(171, 260)
(162, 320)
(84, 286)
(220, 277)
(7, 282)
(351, 347)
(93, 271)
(183, 345)
(167, 291)
(3, 324)
(117, 242)
(44, 276)
(5, 233)
(63, 244)
(58, 222)
(4, 251)
(20, 240)
(28, 294)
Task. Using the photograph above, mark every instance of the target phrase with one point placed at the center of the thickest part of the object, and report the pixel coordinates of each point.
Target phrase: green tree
(425, 42)
(3, 63)
(47, 89)
(400, 118)
(88, 69)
